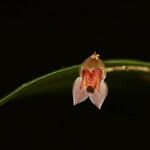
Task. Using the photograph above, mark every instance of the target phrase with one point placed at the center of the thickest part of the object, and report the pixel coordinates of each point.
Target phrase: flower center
(91, 79)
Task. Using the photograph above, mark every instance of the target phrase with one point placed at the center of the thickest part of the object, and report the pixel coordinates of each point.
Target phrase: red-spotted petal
(99, 96)
(79, 94)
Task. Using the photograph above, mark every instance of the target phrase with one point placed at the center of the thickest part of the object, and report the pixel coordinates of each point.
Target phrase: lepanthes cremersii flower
(91, 83)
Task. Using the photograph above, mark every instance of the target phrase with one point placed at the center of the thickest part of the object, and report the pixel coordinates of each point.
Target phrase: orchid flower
(91, 83)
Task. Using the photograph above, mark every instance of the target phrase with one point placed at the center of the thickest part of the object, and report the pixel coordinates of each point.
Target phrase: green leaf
(121, 75)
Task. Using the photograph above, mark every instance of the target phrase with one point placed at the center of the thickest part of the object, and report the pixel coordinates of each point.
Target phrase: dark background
(39, 37)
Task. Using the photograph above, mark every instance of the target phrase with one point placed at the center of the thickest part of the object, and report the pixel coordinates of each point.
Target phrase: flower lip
(90, 89)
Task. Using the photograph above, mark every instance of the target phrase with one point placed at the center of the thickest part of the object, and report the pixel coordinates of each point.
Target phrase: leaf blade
(57, 80)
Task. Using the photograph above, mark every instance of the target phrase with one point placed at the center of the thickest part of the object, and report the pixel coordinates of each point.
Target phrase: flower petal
(79, 94)
(99, 96)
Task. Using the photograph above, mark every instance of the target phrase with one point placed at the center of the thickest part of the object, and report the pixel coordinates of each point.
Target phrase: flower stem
(128, 68)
